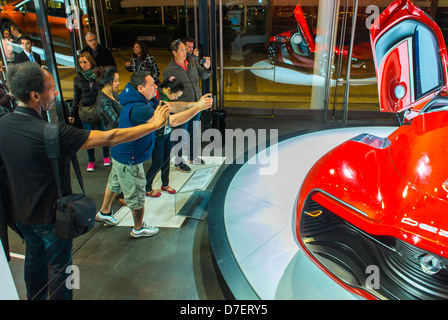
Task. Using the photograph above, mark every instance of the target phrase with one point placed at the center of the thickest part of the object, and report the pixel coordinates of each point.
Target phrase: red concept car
(298, 48)
(382, 203)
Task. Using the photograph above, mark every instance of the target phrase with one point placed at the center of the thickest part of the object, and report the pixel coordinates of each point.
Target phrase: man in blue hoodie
(139, 101)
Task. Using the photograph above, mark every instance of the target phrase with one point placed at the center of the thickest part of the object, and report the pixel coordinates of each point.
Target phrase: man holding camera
(189, 71)
(191, 50)
(128, 174)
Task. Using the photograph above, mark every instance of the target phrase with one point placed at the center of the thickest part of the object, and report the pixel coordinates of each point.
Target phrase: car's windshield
(372, 140)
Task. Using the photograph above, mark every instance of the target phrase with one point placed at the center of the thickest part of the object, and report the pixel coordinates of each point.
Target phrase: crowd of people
(131, 127)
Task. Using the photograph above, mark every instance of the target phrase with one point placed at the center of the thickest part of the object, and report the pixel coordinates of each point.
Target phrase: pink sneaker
(91, 166)
(107, 161)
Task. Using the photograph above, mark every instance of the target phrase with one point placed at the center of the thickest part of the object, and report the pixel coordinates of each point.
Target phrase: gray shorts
(131, 180)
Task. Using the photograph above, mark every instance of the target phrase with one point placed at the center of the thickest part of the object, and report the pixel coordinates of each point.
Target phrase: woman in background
(107, 104)
(142, 61)
(85, 92)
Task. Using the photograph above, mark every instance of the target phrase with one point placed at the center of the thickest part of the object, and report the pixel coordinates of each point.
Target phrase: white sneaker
(145, 231)
(197, 160)
(106, 218)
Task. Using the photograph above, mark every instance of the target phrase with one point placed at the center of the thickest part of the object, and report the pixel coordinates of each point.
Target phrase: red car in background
(22, 14)
(380, 203)
(298, 48)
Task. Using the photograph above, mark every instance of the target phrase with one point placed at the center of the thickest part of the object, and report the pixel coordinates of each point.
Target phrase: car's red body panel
(388, 185)
(395, 66)
(397, 187)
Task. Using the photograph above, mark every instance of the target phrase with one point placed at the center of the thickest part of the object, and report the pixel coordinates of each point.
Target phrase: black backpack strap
(52, 148)
(78, 172)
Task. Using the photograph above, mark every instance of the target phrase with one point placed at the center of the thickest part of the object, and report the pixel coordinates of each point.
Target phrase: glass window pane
(427, 62)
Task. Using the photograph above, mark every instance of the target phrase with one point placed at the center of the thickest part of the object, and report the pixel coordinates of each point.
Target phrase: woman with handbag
(107, 104)
(84, 104)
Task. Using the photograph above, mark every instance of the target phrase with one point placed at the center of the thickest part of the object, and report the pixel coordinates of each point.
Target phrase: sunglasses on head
(175, 43)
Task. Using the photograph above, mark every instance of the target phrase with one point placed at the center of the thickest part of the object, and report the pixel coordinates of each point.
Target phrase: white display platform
(162, 211)
(259, 211)
(8, 289)
(265, 70)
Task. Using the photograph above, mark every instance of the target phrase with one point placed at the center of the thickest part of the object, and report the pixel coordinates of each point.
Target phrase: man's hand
(71, 119)
(160, 115)
(206, 64)
(206, 101)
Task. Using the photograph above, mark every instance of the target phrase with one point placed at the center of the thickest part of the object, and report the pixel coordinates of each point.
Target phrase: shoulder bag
(75, 213)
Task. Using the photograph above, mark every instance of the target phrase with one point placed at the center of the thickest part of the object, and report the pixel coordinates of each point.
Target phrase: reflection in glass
(427, 62)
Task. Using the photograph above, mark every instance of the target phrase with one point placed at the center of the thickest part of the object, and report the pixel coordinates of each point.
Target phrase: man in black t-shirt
(32, 184)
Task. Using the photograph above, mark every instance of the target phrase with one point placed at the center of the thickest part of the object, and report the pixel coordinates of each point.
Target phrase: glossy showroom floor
(177, 263)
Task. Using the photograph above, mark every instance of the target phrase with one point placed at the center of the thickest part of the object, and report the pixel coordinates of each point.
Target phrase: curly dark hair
(24, 78)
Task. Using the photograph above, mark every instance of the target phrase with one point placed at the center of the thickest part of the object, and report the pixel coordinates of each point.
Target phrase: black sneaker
(182, 167)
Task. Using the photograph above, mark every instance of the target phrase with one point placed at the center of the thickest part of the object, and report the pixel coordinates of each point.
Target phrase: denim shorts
(131, 180)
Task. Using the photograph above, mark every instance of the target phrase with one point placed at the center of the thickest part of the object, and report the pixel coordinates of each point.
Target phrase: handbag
(75, 213)
(89, 114)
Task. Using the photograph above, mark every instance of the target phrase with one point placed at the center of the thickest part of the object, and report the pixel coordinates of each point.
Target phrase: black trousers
(160, 161)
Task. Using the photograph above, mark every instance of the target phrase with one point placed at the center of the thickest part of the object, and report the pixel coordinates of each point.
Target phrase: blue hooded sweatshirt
(136, 110)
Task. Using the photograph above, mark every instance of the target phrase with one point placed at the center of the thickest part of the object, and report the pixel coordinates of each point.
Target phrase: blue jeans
(91, 152)
(46, 259)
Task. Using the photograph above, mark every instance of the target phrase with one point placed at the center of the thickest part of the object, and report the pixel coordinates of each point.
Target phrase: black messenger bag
(75, 213)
